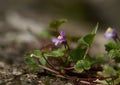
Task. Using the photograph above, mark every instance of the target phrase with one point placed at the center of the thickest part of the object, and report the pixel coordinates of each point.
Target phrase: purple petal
(60, 40)
(56, 41)
(110, 33)
(62, 33)
(114, 32)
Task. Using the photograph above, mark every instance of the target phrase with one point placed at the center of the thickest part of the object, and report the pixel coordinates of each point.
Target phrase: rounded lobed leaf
(82, 65)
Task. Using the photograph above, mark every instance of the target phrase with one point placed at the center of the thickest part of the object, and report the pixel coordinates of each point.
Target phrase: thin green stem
(86, 52)
(67, 53)
(48, 62)
(46, 68)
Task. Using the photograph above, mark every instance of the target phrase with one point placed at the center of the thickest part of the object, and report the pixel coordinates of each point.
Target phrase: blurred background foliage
(106, 12)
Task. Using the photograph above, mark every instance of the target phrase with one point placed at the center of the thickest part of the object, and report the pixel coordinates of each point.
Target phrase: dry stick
(86, 52)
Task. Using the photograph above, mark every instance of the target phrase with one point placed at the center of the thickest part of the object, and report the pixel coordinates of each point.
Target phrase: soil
(13, 70)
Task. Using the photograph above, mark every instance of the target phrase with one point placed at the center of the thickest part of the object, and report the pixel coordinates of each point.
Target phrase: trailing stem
(87, 81)
(48, 61)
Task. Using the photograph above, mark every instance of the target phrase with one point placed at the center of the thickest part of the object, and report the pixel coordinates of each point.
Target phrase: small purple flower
(111, 33)
(61, 39)
(62, 33)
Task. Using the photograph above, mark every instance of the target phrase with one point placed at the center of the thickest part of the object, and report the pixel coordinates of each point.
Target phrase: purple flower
(111, 33)
(61, 39)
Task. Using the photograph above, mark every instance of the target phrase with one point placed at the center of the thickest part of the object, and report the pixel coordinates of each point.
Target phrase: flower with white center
(111, 33)
(60, 39)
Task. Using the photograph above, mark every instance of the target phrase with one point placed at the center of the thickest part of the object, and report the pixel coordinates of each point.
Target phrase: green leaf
(30, 61)
(113, 50)
(57, 53)
(37, 53)
(87, 65)
(95, 29)
(117, 81)
(107, 71)
(100, 59)
(102, 82)
(77, 54)
(112, 45)
(57, 23)
(87, 40)
(115, 53)
(82, 41)
(82, 65)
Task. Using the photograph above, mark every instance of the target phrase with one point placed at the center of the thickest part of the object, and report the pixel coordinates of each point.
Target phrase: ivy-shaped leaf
(30, 61)
(88, 39)
(82, 65)
(56, 53)
(37, 53)
(115, 54)
(112, 45)
(77, 54)
(107, 71)
(83, 42)
(100, 59)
